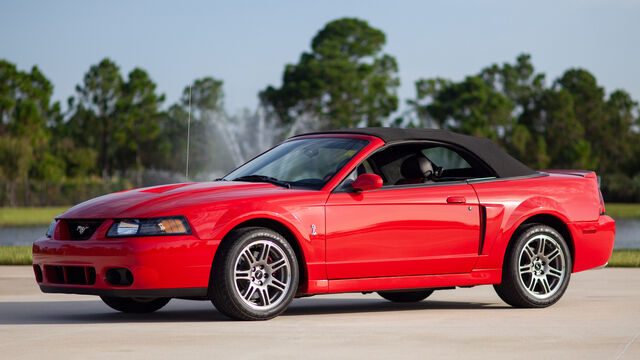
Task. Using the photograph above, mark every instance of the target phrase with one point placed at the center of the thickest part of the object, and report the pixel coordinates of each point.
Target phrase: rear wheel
(406, 296)
(135, 305)
(537, 269)
(255, 275)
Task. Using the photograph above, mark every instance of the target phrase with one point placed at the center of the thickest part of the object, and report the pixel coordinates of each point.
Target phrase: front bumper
(171, 266)
(149, 293)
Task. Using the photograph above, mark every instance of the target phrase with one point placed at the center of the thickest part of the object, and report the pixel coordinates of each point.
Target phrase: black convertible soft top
(502, 163)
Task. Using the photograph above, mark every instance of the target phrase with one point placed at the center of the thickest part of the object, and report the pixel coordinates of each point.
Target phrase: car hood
(167, 199)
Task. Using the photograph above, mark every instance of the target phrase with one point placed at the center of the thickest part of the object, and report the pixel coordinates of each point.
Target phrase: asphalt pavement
(598, 318)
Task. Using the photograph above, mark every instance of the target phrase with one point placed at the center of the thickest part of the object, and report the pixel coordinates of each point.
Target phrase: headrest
(416, 166)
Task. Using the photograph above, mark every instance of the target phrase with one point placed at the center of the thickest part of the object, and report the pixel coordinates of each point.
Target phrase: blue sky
(247, 44)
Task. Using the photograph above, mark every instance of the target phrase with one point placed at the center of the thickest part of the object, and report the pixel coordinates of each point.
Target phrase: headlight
(173, 225)
(52, 226)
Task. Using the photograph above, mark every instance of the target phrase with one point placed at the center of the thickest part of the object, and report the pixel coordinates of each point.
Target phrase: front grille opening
(119, 277)
(38, 272)
(70, 275)
(54, 274)
(90, 274)
(82, 229)
(75, 275)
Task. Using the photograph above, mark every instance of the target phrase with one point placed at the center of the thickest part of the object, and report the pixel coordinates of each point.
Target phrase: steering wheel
(437, 170)
(433, 175)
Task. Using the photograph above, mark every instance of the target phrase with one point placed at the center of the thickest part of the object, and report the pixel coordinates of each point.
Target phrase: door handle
(456, 200)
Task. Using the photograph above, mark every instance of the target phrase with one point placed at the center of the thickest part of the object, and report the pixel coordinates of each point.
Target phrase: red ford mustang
(400, 212)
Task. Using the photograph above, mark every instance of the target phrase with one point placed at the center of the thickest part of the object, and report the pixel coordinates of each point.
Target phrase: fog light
(119, 277)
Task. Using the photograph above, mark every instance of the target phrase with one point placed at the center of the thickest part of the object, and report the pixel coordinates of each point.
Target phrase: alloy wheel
(262, 275)
(541, 266)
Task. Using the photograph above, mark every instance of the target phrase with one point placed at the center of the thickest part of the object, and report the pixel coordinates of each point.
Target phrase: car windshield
(303, 163)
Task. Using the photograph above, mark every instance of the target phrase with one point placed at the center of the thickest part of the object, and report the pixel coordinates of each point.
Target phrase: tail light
(602, 208)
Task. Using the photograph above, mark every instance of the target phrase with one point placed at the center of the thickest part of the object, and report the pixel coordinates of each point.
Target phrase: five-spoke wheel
(262, 275)
(255, 275)
(536, 269)
(541, 266)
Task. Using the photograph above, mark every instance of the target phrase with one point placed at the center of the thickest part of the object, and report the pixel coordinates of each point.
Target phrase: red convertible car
(397, 211)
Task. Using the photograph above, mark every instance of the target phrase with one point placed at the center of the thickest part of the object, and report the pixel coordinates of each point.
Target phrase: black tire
(135, 305)
(228, 293)
(406, 296)
(534, 279)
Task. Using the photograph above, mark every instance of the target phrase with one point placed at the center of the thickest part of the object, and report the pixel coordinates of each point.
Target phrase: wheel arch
(550, 220)
(281, 229)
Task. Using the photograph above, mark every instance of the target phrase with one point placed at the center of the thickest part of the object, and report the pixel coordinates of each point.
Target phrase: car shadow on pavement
(320, 306)
(95, 312)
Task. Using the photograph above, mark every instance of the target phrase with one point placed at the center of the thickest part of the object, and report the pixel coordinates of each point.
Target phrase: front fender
(298, 219)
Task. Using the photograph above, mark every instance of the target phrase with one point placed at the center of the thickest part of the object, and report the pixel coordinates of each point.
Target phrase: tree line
(117, 129)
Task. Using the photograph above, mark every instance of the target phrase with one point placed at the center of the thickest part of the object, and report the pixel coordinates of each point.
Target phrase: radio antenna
(186, 174)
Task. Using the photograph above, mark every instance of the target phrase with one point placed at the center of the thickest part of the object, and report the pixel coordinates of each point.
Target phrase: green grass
(623, 210)
(15, 255)
(625, 258)
(29, 216)
(21, 255)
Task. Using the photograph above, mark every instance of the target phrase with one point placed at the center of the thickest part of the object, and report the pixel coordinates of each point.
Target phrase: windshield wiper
(263, 178)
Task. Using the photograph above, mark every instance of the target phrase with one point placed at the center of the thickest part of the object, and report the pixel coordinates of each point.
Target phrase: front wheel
(405, 296)
(536, 270)
(255, 275)
(135, 305)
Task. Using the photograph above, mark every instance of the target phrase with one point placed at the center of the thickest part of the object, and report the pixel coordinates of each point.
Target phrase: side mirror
(367, 182)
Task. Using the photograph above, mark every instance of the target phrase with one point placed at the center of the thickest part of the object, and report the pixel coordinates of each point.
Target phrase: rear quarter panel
(510, 202)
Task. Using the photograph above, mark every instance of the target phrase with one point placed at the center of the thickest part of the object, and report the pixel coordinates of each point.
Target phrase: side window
(420, 163)
(386, 163)
(447, 159)
(364, 168)
(391, 169)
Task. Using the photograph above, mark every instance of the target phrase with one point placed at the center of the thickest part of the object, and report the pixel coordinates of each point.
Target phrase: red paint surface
(414, 237)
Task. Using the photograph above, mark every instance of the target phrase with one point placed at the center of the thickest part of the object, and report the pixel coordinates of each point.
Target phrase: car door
(403, 230)
(431, 229)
